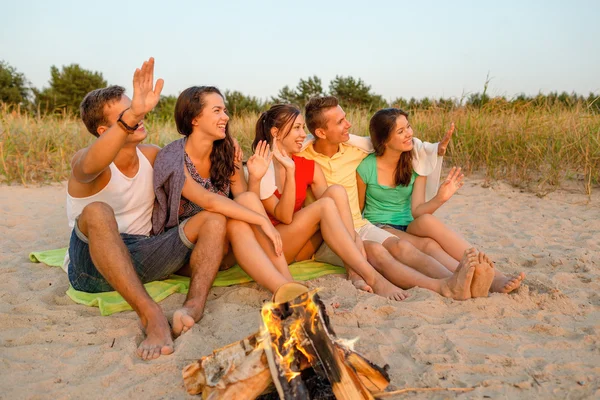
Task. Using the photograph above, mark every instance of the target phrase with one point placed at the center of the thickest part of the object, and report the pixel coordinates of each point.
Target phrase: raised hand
(443, 145)
(145, 94)
(258, 163)
(282, 157)
(453, 182)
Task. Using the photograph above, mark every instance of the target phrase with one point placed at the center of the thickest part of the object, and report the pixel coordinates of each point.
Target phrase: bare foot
(505, 284)
(458, 286)
(158, 336)
(385, 288)
(359, 282)
(483, 276)
(184, 319)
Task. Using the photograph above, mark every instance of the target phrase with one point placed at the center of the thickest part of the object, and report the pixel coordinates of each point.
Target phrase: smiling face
(212, 121)
(400, 138)
(111, 115)
(294, 138)
(337, 127)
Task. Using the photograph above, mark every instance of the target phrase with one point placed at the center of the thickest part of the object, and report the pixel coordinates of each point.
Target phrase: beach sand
(541, 342)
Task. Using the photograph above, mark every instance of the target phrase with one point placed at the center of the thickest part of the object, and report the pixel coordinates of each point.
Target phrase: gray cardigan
(169, 178)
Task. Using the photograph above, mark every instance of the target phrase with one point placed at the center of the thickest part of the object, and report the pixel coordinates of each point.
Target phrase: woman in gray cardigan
(201, 173)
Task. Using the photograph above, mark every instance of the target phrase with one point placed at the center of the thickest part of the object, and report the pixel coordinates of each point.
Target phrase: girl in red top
(282, 179)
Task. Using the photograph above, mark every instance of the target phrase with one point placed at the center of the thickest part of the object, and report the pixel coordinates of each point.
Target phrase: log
(236, 364)
(296, 335)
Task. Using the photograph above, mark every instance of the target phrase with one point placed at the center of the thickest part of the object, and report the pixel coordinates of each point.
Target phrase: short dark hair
(92, 106)
(314, 110)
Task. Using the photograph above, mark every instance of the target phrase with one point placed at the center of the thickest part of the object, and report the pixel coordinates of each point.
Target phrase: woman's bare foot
(458, 286)
(158, 336)
(385, 288)
(505, 284)
(359, 282)
(483, 276)
(185, 317)
(182, 321)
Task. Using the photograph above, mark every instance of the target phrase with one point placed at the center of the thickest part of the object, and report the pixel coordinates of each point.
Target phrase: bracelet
(123, 124)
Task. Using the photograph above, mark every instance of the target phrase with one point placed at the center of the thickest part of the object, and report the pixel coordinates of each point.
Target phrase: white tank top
(132, 200)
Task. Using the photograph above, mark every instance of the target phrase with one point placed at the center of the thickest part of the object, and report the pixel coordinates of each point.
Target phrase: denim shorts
(398, 227)
(153, 258)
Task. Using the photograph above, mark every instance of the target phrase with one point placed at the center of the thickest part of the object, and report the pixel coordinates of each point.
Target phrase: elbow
(286, 219)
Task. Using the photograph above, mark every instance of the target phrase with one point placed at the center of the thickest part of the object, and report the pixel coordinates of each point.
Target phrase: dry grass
(534, 147)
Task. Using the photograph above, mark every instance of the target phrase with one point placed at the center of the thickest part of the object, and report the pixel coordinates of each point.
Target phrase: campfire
(295, 355)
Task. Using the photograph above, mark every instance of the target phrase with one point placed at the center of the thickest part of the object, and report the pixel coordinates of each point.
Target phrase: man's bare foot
(458, 286)
(483, 276)
(505, 284)
(158, 336)
(385, 288)
(359, 282)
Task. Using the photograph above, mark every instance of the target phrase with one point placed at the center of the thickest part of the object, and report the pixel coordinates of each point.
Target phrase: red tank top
(304, 173)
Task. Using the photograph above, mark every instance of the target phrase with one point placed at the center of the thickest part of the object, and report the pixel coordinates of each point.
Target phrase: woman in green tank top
(393, 195)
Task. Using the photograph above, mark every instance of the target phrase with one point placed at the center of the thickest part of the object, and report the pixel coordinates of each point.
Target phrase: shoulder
(150, 151)
(173, 149)
(77, 156)
(353, 153)
(366, 166)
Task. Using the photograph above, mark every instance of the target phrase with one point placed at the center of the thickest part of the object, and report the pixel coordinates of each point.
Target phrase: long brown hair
(278, 116)
(190, 104)
(381, 127)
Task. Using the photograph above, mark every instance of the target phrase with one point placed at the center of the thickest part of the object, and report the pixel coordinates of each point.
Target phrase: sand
(541, 342)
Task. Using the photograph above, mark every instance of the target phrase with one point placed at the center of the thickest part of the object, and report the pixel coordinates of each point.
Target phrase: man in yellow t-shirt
(397, 260)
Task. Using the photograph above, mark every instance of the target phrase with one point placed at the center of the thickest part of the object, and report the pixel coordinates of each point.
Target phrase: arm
(213, 202)
(362, 142)
(362, 190)
(419, 206)
(319, 184)
(89, 163)
(283, 208)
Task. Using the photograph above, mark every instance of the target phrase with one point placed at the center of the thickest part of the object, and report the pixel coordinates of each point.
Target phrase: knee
(337, 191)
(403, 247)
(426, 220)
(214, 222)
(97, 212)
(376, 253)
(428, 245)
(327, 204)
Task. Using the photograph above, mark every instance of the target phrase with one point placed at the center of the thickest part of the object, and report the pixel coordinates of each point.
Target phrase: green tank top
(385, 204)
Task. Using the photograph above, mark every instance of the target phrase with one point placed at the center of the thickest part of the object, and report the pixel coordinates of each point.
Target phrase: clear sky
(400, 48)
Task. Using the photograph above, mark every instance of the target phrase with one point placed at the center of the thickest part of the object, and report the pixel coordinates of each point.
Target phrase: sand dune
(542, 342)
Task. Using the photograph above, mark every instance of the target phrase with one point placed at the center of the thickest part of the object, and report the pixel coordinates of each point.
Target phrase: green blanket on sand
(112, 302)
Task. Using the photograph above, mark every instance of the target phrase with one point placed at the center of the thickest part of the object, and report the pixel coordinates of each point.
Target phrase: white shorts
(368, 232)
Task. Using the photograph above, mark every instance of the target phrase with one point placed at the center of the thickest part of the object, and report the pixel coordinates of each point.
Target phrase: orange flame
(295, 335)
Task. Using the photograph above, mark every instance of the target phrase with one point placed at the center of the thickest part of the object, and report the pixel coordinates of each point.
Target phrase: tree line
(69, 84)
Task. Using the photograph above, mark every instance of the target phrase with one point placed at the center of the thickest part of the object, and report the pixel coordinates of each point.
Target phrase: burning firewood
(295, 336)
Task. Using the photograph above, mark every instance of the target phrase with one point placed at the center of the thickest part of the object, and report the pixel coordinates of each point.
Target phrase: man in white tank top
(110, 197)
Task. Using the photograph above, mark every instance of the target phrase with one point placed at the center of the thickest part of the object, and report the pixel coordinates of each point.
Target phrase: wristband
(123, 124)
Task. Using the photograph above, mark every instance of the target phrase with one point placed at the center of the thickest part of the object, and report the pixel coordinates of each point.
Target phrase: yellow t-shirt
(341, 170)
